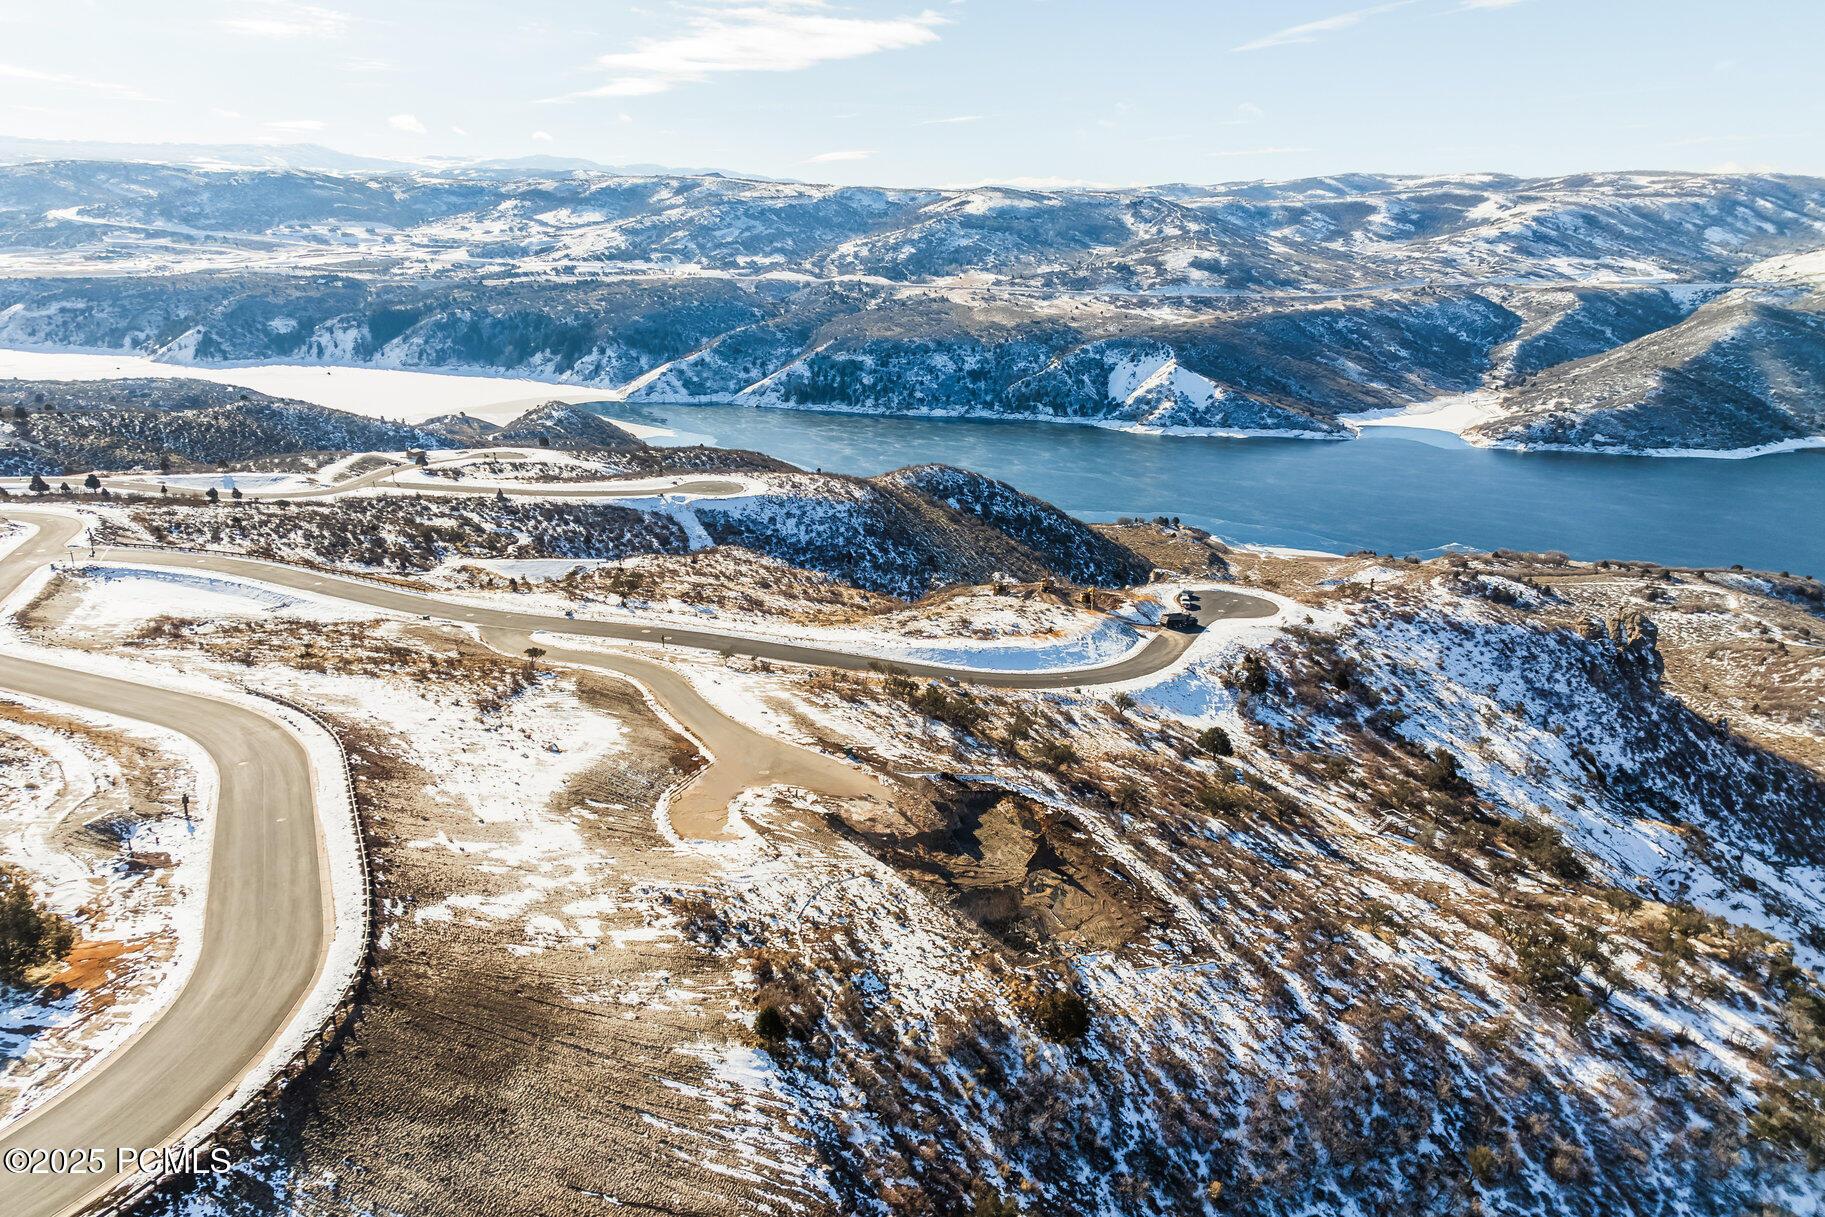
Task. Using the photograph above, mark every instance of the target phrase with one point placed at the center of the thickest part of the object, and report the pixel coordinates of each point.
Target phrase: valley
(1644, 313)
(568, 693)
(1403, 487)
(1338, 850)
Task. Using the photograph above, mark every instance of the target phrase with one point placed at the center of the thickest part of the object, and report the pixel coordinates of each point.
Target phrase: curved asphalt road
(265, 933)
(268, 918)
(741, 757)
(1159, 653)
(639, 487)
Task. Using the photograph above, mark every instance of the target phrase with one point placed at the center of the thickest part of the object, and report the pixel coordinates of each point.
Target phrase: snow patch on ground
(115, 596)
(403, 396)
(1455, 413)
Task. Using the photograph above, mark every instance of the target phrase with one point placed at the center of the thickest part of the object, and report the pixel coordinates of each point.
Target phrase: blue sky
(930, 92)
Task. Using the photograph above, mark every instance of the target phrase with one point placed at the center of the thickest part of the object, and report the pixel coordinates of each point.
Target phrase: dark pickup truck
(1181, 621)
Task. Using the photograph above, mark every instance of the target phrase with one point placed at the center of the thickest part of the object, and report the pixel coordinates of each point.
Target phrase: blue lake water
(1394, 490)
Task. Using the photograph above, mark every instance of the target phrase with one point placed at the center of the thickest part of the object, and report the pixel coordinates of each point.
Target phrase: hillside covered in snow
(1350, 911)
(1278, 308)
(887, 535)
(52, 427)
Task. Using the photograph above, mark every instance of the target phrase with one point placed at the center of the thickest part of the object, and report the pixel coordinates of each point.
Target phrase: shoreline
(376, 391)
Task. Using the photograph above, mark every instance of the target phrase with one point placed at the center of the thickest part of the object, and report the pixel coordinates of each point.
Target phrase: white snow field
(402, 396)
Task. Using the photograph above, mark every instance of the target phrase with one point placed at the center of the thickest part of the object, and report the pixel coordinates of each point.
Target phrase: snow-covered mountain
(1738, 372)
(1277, 307)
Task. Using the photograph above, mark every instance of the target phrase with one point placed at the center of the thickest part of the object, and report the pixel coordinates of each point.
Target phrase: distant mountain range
(306, 157)
(1615, 312)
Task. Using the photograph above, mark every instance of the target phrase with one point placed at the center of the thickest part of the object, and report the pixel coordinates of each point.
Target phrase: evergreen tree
(30, 934)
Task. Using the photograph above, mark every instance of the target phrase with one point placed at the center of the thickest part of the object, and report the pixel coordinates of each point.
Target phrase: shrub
(1249, 676)
(1062, 1016)
(1222, 799)
(1793, 1119)
(1055, 754)
(30, 934)
(770, 1024)
(1621, 899)
(992, 1204)
(1551, 961)
(958, 709)
(1670, 941)
(1804, 1015)
(699, 919)
(1019, 727)
(1215, 741)
(1442, 774)
(1127, 794)
(1381, 920)
(1482, 1163)
(1544, 846)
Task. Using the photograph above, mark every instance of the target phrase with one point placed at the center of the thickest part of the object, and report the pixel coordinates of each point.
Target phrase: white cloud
(544, 137)
(755, 36)
(961, 118)
(1259, 151)
(459, 131)
(1246, 113)
(110, 88)
(1469, 4)
(286, 19)
(1308, 31)
(824, 158)
(221, 113)
(626, 86)
(297, 126)
(406, 122)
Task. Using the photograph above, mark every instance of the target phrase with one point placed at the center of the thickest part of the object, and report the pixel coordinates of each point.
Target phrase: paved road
(639, 487)
(741, 757)
(265, 932)
(267, 923)
(1160, 652)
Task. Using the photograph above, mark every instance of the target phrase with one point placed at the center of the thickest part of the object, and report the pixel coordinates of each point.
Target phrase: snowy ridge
(1242, 309)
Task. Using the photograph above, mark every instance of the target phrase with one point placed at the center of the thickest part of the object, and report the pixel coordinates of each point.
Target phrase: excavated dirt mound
(1022, 872)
